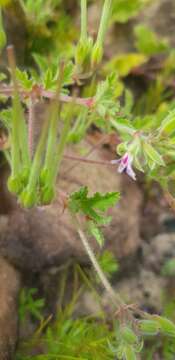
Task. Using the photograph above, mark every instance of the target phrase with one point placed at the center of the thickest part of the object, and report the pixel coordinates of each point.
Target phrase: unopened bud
(14, 184)
(28, 198)
(121, 149)
(148, 327)
(83, 52)
(96, 56)
(47, 195)
(44, 177)
(128, 335)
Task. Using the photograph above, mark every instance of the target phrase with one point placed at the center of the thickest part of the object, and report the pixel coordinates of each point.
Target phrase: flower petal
(114, 162)
(130, 172)
(122, 167)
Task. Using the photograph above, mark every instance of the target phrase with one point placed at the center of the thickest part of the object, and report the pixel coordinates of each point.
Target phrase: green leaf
(123, 10)
(106, 95)
(108, 263)
(3, 38)
(2, 76)
(128, 335)
(23, 79)
(49, 81)
(6, 118)
(96, 232)
(130, 353)
(152, 154)
(168, 124)
(167, 327)
(79, 201)
(123, 125)
(129, 102)
(169, 268)
(41, 62)
(124, 63)
(76, 198)
(148, 43)
(104, 202)
(68, 73)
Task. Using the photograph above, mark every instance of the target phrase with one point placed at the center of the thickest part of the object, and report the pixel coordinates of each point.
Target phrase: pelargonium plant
(35, 169)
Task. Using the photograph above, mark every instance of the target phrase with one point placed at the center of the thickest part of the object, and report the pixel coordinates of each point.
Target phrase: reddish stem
(40, 92)
(82, 159)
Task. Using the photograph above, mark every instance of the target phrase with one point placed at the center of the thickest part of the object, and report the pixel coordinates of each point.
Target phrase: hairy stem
(8, 91)
(55, 113)
(54, 169)
(19, 128)
(115, 298)
(37, 161)
(83, 20)
(89, 161)
(104, 21)
(30, 126)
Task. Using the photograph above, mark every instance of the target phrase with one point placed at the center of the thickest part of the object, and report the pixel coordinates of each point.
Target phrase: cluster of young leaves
(47, 76)
(108, 263)
(40, 11)
(49, 27)
(97, 336)
(26, 167)
(129, 340)
(93, 208)
(68, 336)
(74, 339)
(28, 305)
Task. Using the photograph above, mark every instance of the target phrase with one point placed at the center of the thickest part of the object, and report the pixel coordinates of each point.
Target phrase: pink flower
(125, 165)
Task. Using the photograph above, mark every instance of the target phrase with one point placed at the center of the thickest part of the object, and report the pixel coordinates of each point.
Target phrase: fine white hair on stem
(115, 298)
(31, 120)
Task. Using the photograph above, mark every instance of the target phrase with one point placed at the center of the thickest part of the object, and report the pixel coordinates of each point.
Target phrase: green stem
(115, 298)
(31, 121)
(3, 38)
(37, 161)
(55, 111)
(83, 20)
(104, 22)
(23, 7)
(20, 153)
(15, 150)
(54, 170)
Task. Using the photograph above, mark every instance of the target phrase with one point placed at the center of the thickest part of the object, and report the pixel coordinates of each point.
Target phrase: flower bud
(128, 335)
(121, 149)
(44, 176)
(148, 327)
(28, 198)
(83, 52)
(14, 184)
(47, 195)
(96, 56)
(130, 353)
(166, 326)
(25, 176)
